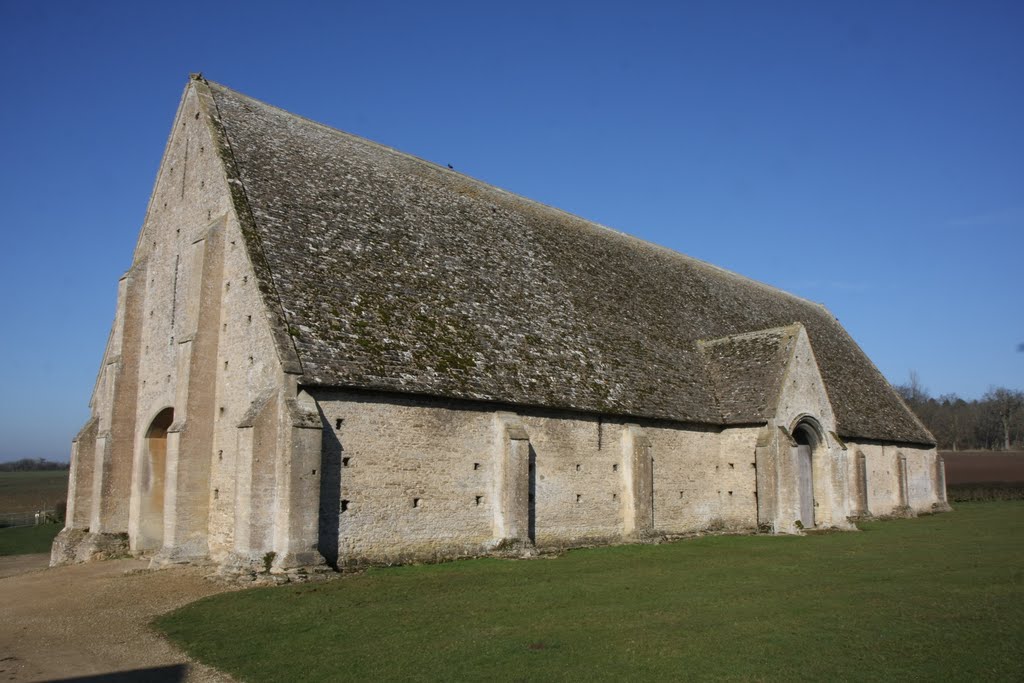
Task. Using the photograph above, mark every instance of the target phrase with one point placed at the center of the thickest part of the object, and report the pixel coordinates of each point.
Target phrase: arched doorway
(806, 442)
(154, 469)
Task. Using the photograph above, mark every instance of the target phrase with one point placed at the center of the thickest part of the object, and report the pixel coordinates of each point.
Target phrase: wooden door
(805, 481)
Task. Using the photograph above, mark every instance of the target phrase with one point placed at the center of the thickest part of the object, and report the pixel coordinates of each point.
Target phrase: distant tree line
(993, 422)
(32, 465)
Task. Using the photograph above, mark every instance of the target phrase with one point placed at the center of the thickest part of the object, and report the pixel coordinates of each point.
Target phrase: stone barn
(327, 349)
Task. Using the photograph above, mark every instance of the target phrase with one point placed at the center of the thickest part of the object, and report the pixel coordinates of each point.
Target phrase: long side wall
(415, 478)
(886, 493)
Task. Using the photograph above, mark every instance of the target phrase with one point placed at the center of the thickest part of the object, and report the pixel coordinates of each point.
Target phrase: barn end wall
(190, 334)
(417, 478)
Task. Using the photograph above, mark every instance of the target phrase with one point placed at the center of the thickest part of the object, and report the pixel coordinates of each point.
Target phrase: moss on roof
(746, 371)
(393, 273)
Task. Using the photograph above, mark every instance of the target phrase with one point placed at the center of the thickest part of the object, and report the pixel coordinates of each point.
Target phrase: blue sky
(867, 155)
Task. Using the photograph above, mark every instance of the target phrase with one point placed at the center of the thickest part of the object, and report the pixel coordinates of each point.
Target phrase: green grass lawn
(32, 491)
(939, 597)
(28, 539)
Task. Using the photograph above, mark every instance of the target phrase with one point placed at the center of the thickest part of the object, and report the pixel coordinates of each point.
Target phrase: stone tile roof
(746, 371)
(389, 272)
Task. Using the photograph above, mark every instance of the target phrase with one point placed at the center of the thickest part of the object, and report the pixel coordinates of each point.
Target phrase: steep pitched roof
(746, 371)
(393, 273)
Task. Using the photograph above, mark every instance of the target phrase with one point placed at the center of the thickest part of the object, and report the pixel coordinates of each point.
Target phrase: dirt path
(92, 619)
(19, 564)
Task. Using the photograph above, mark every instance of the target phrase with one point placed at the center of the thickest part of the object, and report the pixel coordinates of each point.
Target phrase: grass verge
(938, 597)
(25, 540)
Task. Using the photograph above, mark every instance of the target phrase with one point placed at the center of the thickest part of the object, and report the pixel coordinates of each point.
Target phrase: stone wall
(802, 402)
(413, 477)
(886, 493)
(190, 334)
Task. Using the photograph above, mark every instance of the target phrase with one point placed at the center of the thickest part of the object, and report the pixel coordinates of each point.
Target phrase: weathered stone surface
(77, 545)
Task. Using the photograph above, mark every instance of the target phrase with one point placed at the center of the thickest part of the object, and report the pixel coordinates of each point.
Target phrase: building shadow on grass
(173, 673)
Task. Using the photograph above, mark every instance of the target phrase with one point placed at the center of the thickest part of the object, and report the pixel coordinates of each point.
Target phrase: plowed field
(978, 467)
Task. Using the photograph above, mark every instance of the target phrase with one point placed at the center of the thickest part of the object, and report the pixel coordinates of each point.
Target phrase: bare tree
(1006, 403)
(996, 421)
(952, 422)
(913, 392)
